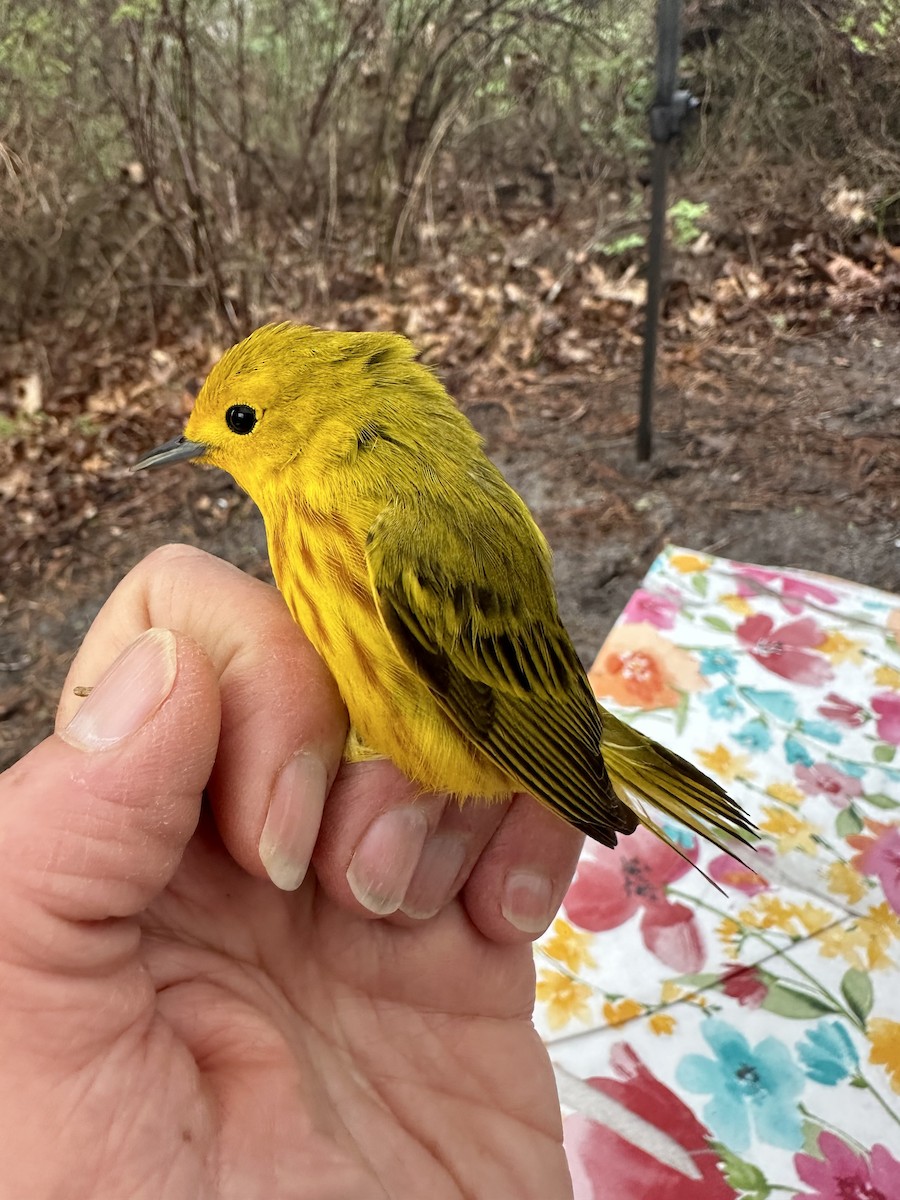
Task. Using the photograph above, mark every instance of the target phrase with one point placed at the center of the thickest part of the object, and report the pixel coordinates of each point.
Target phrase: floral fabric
(754, 1015)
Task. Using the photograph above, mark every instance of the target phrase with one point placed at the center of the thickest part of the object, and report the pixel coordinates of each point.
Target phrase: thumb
(93, 822)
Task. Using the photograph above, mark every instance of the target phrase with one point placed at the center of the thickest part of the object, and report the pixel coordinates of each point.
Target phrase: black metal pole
(669, 108)
(656, 246)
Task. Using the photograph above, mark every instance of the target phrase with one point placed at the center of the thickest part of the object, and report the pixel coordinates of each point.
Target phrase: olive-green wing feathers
(643, 770)
(470, 606)
(476, 618)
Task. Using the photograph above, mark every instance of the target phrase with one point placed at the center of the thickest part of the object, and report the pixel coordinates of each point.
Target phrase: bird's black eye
(240, 418)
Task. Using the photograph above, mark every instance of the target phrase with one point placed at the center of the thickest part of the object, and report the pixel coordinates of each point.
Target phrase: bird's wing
(469, 603)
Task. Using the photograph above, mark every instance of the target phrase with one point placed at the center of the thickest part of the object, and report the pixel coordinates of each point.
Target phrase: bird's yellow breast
(318, 559)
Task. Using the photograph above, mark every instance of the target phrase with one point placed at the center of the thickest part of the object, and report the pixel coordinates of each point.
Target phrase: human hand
(174, 1026)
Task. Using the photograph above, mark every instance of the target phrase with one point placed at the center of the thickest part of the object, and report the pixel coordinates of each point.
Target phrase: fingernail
(292, 822)
(386, 858)
(439, 865)
(128, 694)
(527, 901)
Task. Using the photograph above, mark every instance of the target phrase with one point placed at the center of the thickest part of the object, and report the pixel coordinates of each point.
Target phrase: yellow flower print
(688, 563)
(737, 604)
(790, 831)
(850, 943)
(863, 942)
(812, 917)
(662, 1024)
(787, 793)
(888, 677)
(672, 991)
(566, 999)
(841, 649)
(798, 920)
(728, 932)
(846, 881)
(569, 946)
(885, 1038)
(725, 764)
(881, 923)
(619, 1011)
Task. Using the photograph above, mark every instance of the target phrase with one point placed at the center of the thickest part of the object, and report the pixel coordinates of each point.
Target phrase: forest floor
(777, 435)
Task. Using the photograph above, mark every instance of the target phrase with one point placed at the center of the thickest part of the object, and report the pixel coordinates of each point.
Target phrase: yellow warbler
(421, 579)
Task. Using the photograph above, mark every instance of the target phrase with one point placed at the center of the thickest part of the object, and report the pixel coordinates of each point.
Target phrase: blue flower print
(754, 735)
(658, 565)
(762, 1084)
(857, 770)
(796, 752)
(825, 731)
(780, 704)
(724, 703)
(679, 835)
(717, 662)
(827, 1053)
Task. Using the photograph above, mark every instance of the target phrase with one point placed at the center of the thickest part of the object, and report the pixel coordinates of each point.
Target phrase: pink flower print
(604, 1165)
(785, 651)
(842, 1174)
(841, 711)
(879, 855)
(822, 779)
(611, 886)
(657, 610)
(746, 985)
(793, 591)
(886, 706)
(732, 873)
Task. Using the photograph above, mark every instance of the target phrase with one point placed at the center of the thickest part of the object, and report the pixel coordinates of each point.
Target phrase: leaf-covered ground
(777, 425)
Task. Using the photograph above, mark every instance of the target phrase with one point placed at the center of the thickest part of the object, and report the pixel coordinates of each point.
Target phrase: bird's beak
(178, 450)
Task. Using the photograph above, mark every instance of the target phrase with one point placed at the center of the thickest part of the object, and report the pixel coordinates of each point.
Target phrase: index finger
(283, 723)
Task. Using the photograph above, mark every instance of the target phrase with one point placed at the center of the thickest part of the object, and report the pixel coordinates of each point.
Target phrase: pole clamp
(666, 120)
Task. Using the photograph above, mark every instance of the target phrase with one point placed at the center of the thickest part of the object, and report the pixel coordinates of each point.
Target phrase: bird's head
(285, 387)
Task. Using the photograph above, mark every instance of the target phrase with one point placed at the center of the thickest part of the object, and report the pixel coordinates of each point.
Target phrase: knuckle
(172, 556)
(159, 578)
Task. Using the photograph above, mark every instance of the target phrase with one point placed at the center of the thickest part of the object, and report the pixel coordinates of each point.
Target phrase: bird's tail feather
(642, 771)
